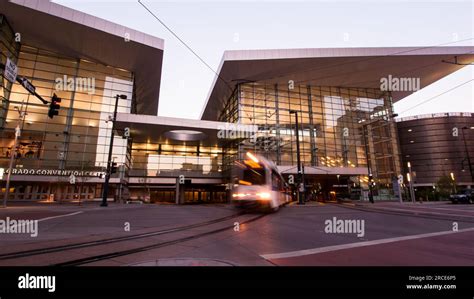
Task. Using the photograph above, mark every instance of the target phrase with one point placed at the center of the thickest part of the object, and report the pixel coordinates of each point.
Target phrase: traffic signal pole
(13, 154)
(31, 89)
(369, 170)
(105, 191)
(301, 185)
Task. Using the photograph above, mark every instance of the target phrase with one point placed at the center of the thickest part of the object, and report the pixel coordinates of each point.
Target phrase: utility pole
(298, 158)
(369, 170)
(105, 191)
(13, 153)
(10, 72)
(298, 154)
(410, 181)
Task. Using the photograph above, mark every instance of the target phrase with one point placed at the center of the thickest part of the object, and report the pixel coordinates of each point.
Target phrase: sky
(211, 27)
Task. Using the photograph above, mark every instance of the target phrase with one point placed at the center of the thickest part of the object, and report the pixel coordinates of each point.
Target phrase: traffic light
(113, 168)
(54, 106)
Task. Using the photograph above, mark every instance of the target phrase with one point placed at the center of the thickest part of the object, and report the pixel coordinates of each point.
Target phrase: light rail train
(257, 182)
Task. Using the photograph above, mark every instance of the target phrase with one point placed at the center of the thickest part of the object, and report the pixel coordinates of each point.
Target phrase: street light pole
(467, 153)
(105, 191)
(298, 158)
(369, 171)
(410, 180)
(13, 154)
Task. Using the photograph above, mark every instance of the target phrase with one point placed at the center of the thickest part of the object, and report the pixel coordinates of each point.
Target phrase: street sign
(11, 71)
(27, 84)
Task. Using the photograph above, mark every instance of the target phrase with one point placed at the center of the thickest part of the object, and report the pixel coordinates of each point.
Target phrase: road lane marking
(59, 216)
(357, 244)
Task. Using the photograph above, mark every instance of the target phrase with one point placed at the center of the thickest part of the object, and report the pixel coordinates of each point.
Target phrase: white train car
(258, 182)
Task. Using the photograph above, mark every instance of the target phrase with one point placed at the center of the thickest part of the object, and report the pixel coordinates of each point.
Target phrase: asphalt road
(393, 234)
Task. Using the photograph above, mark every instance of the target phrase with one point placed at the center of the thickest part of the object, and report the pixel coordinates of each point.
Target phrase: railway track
(79, 245)
(101, 257)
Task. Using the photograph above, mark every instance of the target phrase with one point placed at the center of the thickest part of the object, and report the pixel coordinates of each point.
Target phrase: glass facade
(169, 159)
(8, 49)
(338, 126)
(76, 139)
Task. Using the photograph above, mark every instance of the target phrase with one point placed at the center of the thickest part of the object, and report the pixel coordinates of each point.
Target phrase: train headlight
(239, 195)
(264, 195)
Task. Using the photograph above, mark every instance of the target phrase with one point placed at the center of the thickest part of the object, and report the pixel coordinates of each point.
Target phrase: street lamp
(369, 171)
(298, 158)
(105, 192)
(467, 152)
(410, 181)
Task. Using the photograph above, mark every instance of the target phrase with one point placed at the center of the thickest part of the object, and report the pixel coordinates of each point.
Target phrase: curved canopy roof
(91, 38)
(339, 67)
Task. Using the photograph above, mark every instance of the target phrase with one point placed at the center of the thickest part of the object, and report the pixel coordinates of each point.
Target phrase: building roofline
(59, 29)
(265, 65)
(435, 115)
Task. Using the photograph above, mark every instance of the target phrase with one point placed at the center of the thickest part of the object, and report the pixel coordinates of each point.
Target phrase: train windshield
(253, 176)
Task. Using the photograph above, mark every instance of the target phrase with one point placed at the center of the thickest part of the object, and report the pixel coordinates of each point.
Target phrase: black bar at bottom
(242, 282)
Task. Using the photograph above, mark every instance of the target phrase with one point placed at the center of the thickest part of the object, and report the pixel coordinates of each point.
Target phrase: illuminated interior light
(249, 154)
(242, 182)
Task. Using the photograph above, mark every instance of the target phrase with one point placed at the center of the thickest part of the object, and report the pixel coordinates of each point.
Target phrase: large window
(78, 138)
(162, 159)
(335, 125)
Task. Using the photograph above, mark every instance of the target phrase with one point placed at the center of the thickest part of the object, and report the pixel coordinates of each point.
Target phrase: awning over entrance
(160, 129)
